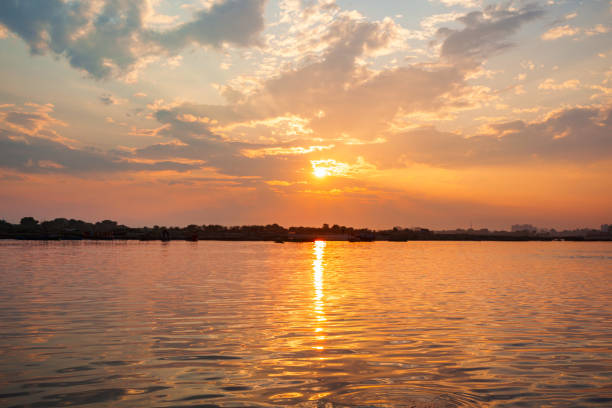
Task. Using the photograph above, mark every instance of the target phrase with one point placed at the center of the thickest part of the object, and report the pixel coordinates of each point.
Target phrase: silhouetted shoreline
(65, 229)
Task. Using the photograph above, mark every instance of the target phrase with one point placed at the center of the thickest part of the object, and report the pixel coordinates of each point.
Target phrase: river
(323, 324)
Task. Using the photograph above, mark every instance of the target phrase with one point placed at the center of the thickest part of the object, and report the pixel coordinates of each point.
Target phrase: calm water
(416, 324)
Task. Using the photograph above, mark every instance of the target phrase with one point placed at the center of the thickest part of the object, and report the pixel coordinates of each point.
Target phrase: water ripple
(319, 325)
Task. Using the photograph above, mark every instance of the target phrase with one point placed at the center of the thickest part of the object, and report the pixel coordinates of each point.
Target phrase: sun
(319, 172)
(328, 168)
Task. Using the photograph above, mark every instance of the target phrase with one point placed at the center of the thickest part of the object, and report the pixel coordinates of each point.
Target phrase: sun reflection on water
(318, 269)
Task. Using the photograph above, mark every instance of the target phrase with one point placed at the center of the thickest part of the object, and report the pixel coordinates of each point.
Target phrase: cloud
(486, 32)
(598, 29)
(315, 109)
(550, 85)
(236, 22)
(29, 144)
(569, 31)
(40, 155)
(579, 135)
(575, 135)
(284, 151)
(571, 16)
(109, 38)
(462, 3)
(109, 99)
(31, 119)
(354, 99)
(559, 32)
(194, 140)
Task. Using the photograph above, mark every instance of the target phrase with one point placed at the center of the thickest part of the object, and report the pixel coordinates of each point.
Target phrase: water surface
(414, 324)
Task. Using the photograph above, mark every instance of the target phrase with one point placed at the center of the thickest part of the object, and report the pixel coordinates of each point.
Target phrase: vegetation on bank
(71, 229)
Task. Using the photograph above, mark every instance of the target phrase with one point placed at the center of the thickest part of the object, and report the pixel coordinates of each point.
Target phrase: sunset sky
(432, 113)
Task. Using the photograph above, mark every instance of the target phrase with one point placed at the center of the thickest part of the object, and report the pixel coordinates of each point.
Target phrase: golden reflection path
(319, 303)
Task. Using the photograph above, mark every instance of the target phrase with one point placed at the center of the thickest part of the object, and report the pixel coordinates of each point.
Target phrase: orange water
(424, 324)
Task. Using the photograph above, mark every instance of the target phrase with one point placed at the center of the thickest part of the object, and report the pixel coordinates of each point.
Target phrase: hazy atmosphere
(439, 113)
(306, 203)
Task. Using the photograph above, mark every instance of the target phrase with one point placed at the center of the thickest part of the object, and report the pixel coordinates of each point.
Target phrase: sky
(429, 113)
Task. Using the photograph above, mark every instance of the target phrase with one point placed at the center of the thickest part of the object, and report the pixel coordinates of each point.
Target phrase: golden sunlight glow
(283, 151)
(317, 268)
(329, 167)
(320, 172)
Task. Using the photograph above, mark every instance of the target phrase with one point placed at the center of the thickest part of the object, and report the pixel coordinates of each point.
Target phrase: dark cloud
(108, 99)
(578, 135)
(39, 155)
(233, 21)
(28, 121)
(43, 24)
(34, 119)
(29, 144)
(195, 141)
(113, 40)
(485, 32)
(107, 38)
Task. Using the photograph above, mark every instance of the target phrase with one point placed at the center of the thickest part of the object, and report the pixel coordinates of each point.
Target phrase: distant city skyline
(433, 113)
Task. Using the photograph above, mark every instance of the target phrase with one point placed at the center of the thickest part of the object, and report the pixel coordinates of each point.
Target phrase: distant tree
(28, 222)
(274, 228)
(5, 226)
(105, 226)
(51, 226)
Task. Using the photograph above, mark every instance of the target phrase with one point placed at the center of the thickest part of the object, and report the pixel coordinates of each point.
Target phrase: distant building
(524, 228)
(606, 228)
